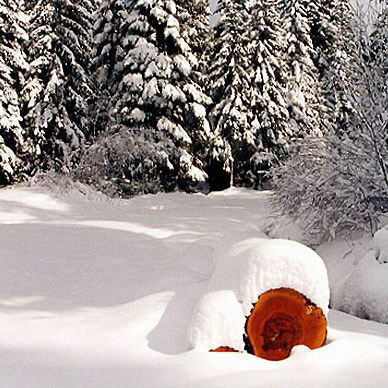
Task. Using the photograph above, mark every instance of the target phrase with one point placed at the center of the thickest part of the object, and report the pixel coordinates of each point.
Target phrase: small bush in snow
(126, 163)
(340, 183)
(333, 184)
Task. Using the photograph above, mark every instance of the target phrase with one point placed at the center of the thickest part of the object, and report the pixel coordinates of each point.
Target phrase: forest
(146, 96)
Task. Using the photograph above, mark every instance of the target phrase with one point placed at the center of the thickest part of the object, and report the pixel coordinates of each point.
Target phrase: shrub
(128, 162)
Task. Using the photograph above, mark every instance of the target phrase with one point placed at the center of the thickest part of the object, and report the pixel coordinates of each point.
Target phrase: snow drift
(245, 271)
(97, 293)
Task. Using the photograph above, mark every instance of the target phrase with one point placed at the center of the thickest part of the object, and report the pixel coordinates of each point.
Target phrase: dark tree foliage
(333, 34)
(231, 89)
(59, 87)
(110, 45)
(273, 130)
(304, 90)
(13, 65)
(158, 93)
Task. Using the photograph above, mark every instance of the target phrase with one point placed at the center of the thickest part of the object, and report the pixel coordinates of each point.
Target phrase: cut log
(281, 319)
(224, 349)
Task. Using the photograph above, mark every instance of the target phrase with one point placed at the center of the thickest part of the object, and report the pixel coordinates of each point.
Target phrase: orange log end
(281, 319)
(224, 349)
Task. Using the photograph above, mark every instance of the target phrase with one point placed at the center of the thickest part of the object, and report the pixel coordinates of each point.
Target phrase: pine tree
(110, 44)
(13, 65)
(270, 94)
(231, 86)
(194, 18)
(340, 182)
(379, 43)
(59, 88)
(304, 92)
(158, 94)
(333, 34)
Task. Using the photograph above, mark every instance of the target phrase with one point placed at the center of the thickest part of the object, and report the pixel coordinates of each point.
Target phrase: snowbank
(245, 271)
(364, 291)
(100, 294)
(380, 240)
(357, 268)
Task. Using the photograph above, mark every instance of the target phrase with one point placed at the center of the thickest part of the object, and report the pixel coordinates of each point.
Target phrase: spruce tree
(340, 183)
(231, 89)
(59, 87)
(273, 134)
(158, 95)
(304, 92)
(379, 43)
(334, 36)
(13, 65)
(110, 41)
(194, 18)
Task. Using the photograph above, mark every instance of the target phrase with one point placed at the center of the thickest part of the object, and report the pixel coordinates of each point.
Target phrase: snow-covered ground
(97, 293)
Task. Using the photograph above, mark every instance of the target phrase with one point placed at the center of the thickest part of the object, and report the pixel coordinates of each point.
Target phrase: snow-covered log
(275, 293)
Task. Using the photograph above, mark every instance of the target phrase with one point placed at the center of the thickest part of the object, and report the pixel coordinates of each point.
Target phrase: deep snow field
(99, 293)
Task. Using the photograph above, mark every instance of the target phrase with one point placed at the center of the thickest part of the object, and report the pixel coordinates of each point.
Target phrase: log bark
(224, 349)
(281, 319)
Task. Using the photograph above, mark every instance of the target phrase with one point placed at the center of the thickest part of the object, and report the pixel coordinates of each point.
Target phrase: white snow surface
(100, 293)
(245, 271)
(380, 239)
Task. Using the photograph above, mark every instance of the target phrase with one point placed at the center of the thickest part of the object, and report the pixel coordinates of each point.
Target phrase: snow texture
(245, 271)
(363, 290)
(381, 245)
(356, 266)
(100, 293)
(365, 293)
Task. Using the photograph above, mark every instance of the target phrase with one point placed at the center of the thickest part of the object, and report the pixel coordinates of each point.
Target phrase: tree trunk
(224, 349)
(219, 179)
(281, 319)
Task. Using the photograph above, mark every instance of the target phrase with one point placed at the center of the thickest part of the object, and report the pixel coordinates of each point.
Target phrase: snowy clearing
(101, 293)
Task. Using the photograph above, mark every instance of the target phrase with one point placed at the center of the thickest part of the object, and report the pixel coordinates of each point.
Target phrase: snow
(137, 115)
(96, 292)
(151, 71)
(164, 124)
(244, 271)
(364, 292)
(357, 270)
(381, 243)
(198, 110)
(173, 93)
(183, 65)
(134, 81)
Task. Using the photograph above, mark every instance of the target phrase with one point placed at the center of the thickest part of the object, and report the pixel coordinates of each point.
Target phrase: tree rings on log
(281, 319)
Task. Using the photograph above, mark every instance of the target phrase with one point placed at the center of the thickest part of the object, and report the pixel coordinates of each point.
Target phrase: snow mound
(245, 271)
(365, 292)
(380, 240)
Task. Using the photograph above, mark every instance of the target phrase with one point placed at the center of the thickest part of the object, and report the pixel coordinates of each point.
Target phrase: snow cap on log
(244, 272)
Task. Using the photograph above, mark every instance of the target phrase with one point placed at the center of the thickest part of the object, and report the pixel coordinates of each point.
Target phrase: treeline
(145, 96)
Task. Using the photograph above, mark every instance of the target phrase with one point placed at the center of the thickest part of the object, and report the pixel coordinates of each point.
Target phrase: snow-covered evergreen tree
(59, 87)
(13, 65)
(269, 92)
(304, 92)
(333, 33)
(158, 93)
(110, 40)
(379, 43)
(340, 182)
(231, 89)
(194, 19)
